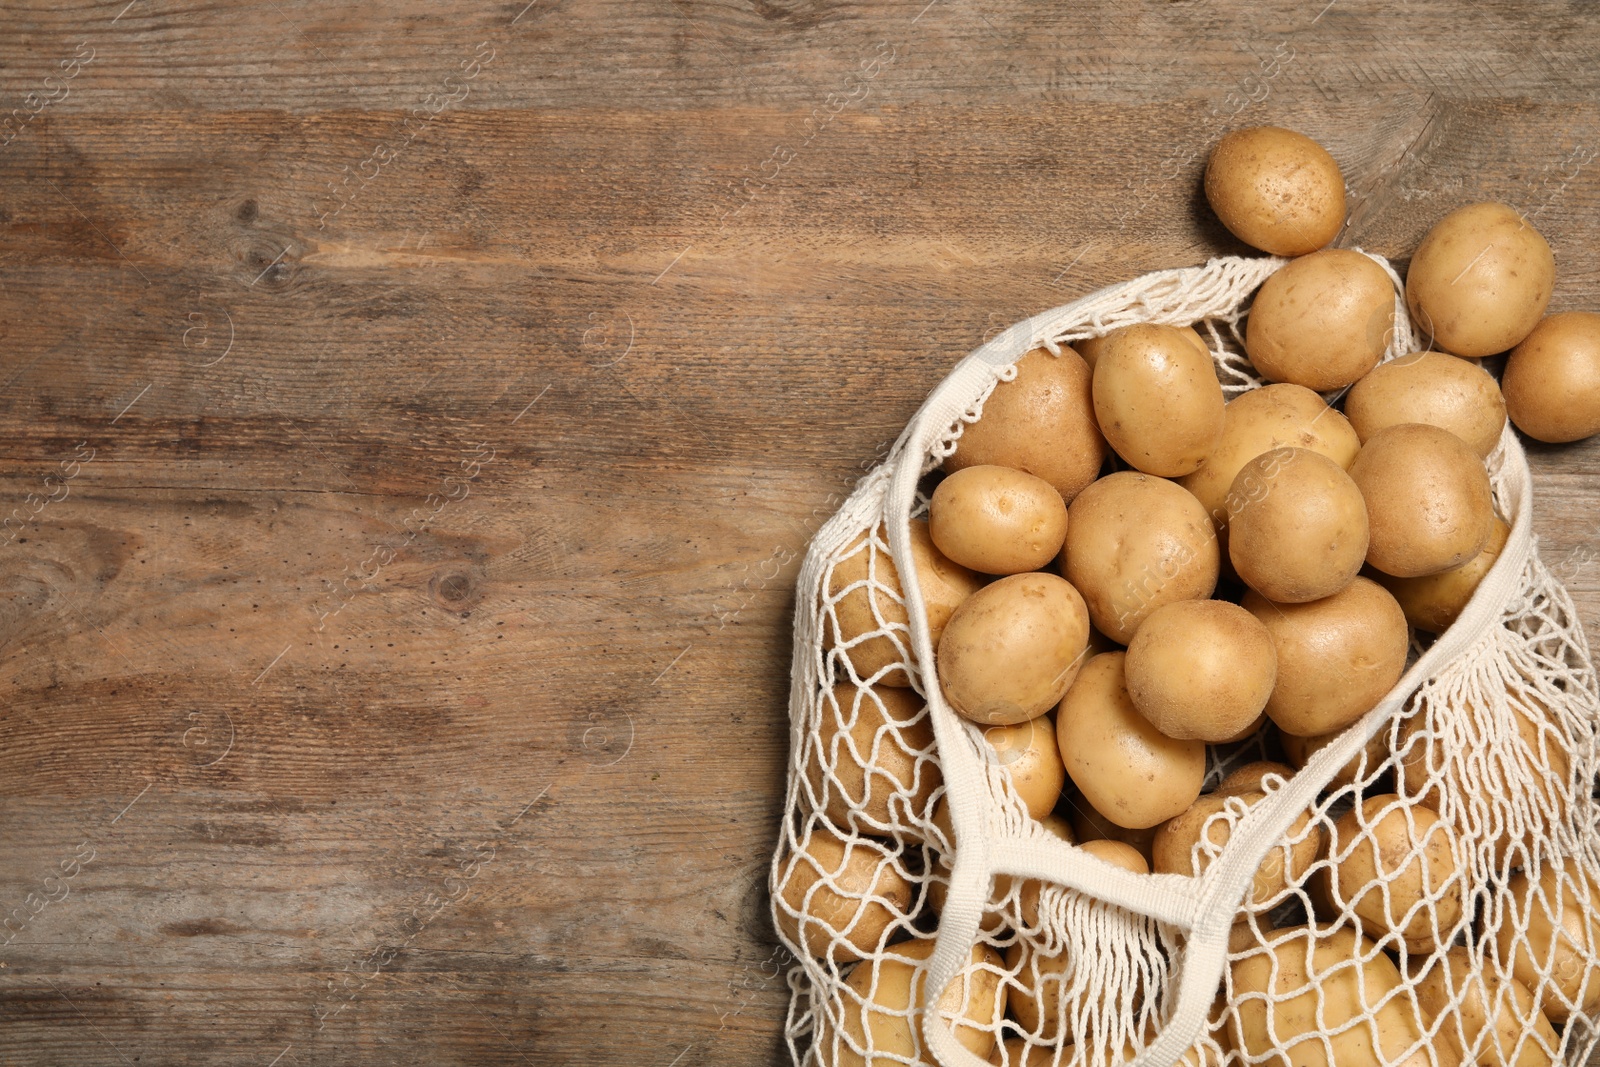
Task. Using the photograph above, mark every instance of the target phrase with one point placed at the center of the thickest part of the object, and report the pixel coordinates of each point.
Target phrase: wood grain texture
(448, 394)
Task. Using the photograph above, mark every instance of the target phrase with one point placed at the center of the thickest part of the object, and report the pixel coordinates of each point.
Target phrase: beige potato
(1376, 751)
(1201, 669)
(1012, 648)
(1042, 982)
(1118, 854)
(1028, 892)
(1124, 766)
(1431, 387)
(1434, 601)
(1465, 1001)
(1480, 280)
(1157, 399)
(1393, 866)
(882, 1022)
(1274, 416)
(1429, 507)
(1134, 543)
(1337, 657)
(1251, 778)
(865, 610)
(1090, 349)
(873, 758)
(1089, 825)
(1318, 982)
(1041, 423)
(1175, 850)
(1322, 321)
(839, 896)
(1029, 753)
(997, 520)
(1276, 189)
(1554, 952)
(1552, 379)
(1297, 526)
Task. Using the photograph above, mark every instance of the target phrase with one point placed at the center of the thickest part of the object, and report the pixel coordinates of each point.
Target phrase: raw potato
(1480, 280)
(1089, 825)
(858, 894)
(1175, 849)
(1481, 993)
(1322, 321)
(1028, 751)
(1429, 506)
(1090, 349)
(997, 520)
(870, 740)
(881, 1007)
(1035, 995)
(1434, 601)
(1118, 854)
(1041, 423)
(1552, 379)
(1297, 526)
(1257, 421)
(944, 586)
(1028, 892)
(1201, 669)
(1393, 865)
(1301, 749)
(1012, 648)
(1432, 387)
(1319, 981)
(1134, 543)
(1016, 1052)
(1276, 189)
(1157, 398)
(1124, 766)
(1561, 914)
(1251, 778)
(1337, 657)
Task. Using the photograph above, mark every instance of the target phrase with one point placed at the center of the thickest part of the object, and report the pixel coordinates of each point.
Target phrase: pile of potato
(1120, 568)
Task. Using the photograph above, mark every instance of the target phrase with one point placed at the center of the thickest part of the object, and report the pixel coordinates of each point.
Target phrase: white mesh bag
(914, 935)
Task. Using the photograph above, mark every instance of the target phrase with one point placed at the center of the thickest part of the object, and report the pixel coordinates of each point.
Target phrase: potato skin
(1126, 768)
(840, 923)
(1134, 543)
(1091, 348)
(1483, 1006)
(884, 1015)
(1337, 657)
(1434, 601)
(1250, 778)
(1174, 852)
(1432, 387)
(1561, 929)
(1201, 669)
(1157, 398)
(870, 745)
(1386, 857)
(1480, 280)
(1041, 423)
(1297, 526)
(997, 520)
(1012, 648)
(1090, 825)
(1552, 379)
(1322, 321)
(1429, 505)
(1028, 751)
(1276, 190)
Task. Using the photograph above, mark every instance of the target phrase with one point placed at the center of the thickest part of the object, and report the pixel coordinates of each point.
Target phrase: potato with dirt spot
(1157, 399)
(997, 520)
(1434, 388)
(1276, 189)
(1480, 279)
(1012, 648)
(1322, 321)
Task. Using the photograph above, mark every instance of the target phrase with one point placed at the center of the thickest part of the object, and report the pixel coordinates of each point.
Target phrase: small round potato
(1322, 321)
(1041, 423)
(1464, 1000)
(1297, 526)
(1275, 189)
(1028, 751)
(1376, 753)
(1434, 601)
(873, 758)
(1393, 866)
(1157, 398)
(997, 520)
(1124, 766)
(1089, 825)
(840, 896)
(1429, 506)
(872, 609)
(1337, 657)
(1134, 543)
(1251, 778)
(1274, 416)
(1177, 848)
(1552, 379)
(1550, 933)
(1432, 387)
(882, 1012)
(1480, 280)
(1201, 669)
(1012, 648)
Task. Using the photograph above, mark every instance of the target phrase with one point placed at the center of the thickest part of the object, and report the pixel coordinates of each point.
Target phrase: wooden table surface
(413, 415)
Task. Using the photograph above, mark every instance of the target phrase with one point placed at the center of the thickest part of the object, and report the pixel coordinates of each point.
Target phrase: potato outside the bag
(1251, 778)
(1028, 752)
(1012, 648)
(1091, 348)
(1322, 321)
(871, 745)
(858, 895)
(1090, 825)
(1552, 379)
(1480, 279)
(1434, 388)
(1276, 189)
(881, 1010)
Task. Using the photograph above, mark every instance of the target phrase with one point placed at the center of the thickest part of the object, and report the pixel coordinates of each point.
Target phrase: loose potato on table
(1201, 669)
(1480, 280)
(1157, 398)
(1276, 189)
(1134, 543)
(874, 752)
(1041, 423)
(1297, 526)
(882, 1007)
(1434, 601)
(1552, 379)
(1429, 505)
(847, 893)
(1431, 387)
(1322, 321)
(997, 520)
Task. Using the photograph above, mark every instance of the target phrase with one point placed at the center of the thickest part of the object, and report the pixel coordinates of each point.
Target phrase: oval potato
(1322, 321)
(1434, 388)
(1429, 506)
(1393, 867)
(1201, 669)
(1297, 526)
(1012, 648)
(1560, 942)
(1276, 189)
(1480, 280)
(1157, 398)
(1552, 379)
(882, 1022)
(874, 757)
(839, 897)
(997, 520)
